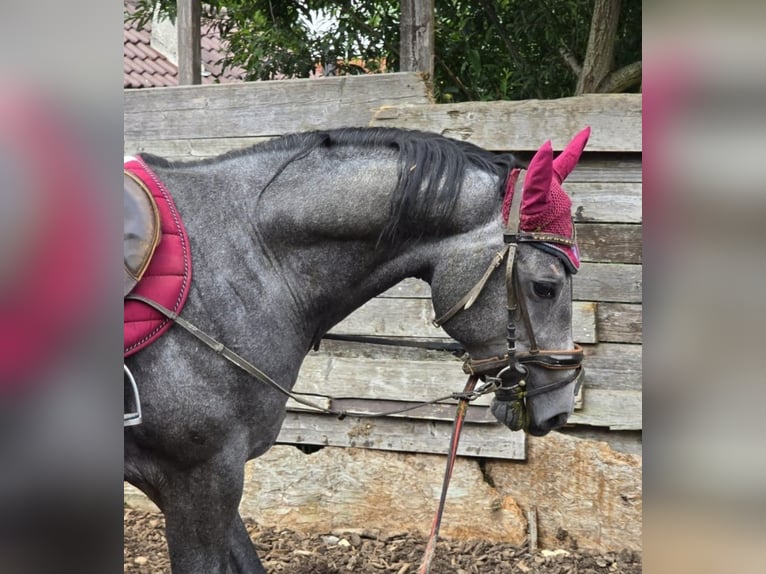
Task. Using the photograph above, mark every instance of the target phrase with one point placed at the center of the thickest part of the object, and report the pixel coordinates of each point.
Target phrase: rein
(248, 367)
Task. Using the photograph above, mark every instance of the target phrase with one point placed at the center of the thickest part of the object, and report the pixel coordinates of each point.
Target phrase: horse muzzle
(515, 384)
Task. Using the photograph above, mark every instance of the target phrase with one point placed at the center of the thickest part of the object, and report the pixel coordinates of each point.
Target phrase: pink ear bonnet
(546, 208)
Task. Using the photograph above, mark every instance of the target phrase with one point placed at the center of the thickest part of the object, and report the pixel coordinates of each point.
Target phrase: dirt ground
(289, 552)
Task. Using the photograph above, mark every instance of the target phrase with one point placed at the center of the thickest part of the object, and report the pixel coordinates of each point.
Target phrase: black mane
(431, 166)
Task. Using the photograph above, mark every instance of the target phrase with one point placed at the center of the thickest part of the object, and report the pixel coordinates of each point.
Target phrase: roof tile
(143, 66)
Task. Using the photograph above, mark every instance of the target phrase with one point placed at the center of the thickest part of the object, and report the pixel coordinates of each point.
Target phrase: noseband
(511, 379)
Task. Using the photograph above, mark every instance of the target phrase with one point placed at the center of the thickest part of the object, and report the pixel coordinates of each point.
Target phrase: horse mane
(431, 167)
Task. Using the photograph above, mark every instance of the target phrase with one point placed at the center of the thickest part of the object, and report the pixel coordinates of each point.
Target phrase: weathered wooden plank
(265, 108)
(619, 322)
(406, 317)
(188, 149)
(607, 202)
(616, 409)
(525, 125)
(607, 366)
(479, 414)
(613, 282)
(381, 379)
(495, 441)
(613, 366)
(591, 168)
(609, 243)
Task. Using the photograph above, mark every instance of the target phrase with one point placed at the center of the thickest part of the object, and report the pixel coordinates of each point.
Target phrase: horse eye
(544, 290)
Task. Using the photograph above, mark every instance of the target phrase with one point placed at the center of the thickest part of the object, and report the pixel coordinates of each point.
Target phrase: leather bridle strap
(470, 298)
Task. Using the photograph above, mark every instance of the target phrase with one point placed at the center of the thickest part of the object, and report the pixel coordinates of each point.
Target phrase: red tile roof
(145, 67)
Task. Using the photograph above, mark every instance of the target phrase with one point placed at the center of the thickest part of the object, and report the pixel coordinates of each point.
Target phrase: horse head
(517, 325)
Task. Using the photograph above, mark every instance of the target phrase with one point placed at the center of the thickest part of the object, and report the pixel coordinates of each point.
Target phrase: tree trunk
(599, 55)
(417, 37)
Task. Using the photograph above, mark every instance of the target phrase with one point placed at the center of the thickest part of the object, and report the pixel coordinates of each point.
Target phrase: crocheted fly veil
(546, 208)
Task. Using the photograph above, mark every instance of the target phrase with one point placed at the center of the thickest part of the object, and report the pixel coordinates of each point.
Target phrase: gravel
(362, 552)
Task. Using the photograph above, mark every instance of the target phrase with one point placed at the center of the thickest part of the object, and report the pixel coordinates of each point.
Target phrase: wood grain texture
(619, 322)
(614, 409)
(404, 435)
(610, 243)
(257, 109)
(614, 366)
(524, 125)
(606, 202)
(411, 317)
(612, 282)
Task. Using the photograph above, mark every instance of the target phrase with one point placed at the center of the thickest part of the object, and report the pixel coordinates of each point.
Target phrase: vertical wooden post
(189, 47)
(417, 36)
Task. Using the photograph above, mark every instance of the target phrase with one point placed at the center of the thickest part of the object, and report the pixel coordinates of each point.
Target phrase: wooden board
(495, 441)
(382, 379)
(256, 109)
(187, 149)
(619, 322)
(607, 202)
(409, 317)
(615, 366)
(615, 409)
(614, 118)
(611, 282)
(610, 243)
(626, 168)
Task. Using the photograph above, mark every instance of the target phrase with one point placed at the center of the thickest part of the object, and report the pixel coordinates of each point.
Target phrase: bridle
(509, 372)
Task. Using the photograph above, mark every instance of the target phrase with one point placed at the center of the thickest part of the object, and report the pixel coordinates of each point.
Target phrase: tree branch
(622, 79)
(489, 8)
(466, 92)
(571, 61)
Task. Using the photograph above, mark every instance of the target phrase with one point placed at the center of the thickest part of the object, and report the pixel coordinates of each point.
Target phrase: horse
(292, 235)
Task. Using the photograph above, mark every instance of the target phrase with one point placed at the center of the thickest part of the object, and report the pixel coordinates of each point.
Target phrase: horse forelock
(431, 168)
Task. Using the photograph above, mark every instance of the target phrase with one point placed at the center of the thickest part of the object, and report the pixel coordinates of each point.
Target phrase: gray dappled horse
(288, 238)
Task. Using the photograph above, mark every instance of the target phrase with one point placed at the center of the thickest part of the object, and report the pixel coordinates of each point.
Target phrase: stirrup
(132, 419)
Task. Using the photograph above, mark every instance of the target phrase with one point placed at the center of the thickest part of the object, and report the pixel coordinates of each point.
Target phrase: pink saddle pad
(167, 278)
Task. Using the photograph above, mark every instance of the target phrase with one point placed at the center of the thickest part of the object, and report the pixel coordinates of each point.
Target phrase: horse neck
(321, 236)
(307, 243)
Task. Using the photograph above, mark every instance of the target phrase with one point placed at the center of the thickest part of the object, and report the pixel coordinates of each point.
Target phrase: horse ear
(537, 183)
(567, 159)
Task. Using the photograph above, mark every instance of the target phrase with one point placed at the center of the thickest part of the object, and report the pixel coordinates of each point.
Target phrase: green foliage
(485, 49)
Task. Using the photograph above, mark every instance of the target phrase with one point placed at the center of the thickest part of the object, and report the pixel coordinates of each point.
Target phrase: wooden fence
(200, 121)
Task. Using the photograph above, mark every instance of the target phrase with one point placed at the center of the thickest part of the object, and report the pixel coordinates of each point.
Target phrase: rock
(340, 489)
(330, 540)
(586, 494)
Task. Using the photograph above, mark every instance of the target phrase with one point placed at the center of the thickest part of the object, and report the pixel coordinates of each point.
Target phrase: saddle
(141, 231)
(156, 266)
